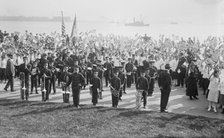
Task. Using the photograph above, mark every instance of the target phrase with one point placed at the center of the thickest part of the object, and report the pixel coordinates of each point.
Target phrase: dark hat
(167, 66)
(141, 69)
(115, 70)
(95, 70)
(44, 54)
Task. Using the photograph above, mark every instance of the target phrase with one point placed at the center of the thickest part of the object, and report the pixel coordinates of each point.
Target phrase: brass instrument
(44, 89)
(138, 98)
(65, 94)
(114, 91)
(22, 84)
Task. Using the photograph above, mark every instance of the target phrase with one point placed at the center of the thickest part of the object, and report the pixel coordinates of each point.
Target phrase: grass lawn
(37, 119)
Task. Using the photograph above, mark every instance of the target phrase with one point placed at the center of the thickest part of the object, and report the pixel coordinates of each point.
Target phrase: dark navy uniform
(47, 72)
(77, 81)
(129, 69)
(26, 68)
(116, 84)
(96, 85)
(164, 82)
(142, 84)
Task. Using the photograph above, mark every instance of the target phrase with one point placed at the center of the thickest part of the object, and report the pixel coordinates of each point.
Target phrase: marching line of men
(44, 73)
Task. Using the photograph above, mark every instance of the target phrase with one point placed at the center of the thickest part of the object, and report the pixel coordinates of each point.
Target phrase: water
(200, 31)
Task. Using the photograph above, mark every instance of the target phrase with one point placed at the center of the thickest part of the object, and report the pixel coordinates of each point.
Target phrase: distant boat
(136, 23)
(173, 22)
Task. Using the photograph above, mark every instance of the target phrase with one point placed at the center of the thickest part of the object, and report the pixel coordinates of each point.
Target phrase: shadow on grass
(131, 113)
(46, 110)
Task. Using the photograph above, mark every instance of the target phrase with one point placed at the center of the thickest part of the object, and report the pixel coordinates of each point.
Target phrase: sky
(153, 11)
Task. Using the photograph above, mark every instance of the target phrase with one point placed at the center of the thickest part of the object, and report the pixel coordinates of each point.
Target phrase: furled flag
(63, 30)
(74, 31)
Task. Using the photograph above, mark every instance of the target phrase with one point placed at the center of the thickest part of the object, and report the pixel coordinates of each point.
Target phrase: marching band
(89, 71)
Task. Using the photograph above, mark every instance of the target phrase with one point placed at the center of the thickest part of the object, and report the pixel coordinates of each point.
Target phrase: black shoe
(195, 97)
(164, 111)
(125, 93)
(191, 98)
(5, 89)
(120, 99)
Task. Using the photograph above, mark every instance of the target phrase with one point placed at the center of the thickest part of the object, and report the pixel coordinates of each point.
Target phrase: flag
(74, 31)
(63, 30)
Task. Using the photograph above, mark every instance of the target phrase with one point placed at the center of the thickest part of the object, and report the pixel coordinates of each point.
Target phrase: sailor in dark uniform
(164, 82)
(108, 72)
(122, 77)
(96, 86)
(77, 81)
(26, 69)
(45, 74)
(129, 69)
(115, 88)
(53, 70)
(142, 84)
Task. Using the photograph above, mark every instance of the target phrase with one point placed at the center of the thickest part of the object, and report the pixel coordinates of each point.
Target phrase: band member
(34, 73)
(83, 68)
(89, 71)
(10, 73)
(108, 72)
(64, 78)
(96, 87)
(136, 72)
(53, 76)
(77, 81)
(26, 69)
(115, 86)
(152, 73)
(164, 82)
(122, 77)
(59, 65)
(143, 85)
(46, 77)
(148, 78)
(100, 75)
(129, 69)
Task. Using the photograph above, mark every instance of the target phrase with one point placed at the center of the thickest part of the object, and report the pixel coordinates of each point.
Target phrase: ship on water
(136, 23)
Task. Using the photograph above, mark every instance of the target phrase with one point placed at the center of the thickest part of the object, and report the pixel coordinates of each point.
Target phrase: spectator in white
(213, 88)
(3, 62)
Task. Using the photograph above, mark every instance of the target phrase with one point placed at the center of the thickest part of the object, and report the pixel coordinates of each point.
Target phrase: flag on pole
(63, 29)
(74, 31)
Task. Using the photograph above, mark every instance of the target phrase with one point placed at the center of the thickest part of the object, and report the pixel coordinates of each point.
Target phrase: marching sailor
(115, 86)
(96, 87)
(77, 81)
(143, 85)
